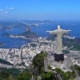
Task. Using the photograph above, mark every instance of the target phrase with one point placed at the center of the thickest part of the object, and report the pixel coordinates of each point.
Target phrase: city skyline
(40, 9)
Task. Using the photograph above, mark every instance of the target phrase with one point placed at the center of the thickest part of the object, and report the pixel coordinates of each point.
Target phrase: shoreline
(22, 37)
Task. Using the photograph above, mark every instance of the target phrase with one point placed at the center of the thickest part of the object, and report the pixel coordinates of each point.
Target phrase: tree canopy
(38, 61)
(25, 75)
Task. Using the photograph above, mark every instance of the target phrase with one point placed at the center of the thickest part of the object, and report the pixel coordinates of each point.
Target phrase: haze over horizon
(40, 9)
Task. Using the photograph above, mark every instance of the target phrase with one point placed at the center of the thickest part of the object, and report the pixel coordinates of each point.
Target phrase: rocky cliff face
(28, 28)
(28, 33)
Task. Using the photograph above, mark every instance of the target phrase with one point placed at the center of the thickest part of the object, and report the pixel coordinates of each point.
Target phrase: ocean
(74, 26)
(41, 29)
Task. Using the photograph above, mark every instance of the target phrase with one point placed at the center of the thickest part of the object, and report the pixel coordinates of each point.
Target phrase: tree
(38, 61)
(66, 75)
(59, 71)
(4, 75)
(49, 67)
(47, 76)
(77, 68)
(25, 75)
(12, 71)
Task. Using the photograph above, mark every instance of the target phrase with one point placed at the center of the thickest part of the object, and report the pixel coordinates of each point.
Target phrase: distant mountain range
(27, 34)
(37, 21)
(10, 25)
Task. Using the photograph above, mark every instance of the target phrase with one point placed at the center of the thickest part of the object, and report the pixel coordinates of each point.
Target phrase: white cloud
(11, 8)
(7, 8)
(1, 10)
(6, 12)
(1, 13)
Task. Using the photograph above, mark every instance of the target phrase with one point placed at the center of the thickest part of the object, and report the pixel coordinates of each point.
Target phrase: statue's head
(58, 27)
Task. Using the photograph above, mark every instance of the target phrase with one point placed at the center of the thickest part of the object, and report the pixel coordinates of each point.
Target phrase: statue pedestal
(59, 57)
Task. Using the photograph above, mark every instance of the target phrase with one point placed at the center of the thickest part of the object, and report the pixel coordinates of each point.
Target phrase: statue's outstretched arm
(65, 31)
(52, 32)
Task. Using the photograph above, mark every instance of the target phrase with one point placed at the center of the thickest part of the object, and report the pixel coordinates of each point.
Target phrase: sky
(40, 9)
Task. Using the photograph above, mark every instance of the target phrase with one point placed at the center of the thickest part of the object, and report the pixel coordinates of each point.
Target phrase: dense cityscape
(20, 58)
(39, 40)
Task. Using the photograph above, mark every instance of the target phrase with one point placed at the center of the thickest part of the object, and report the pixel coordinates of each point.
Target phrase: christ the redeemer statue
(59, 32)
